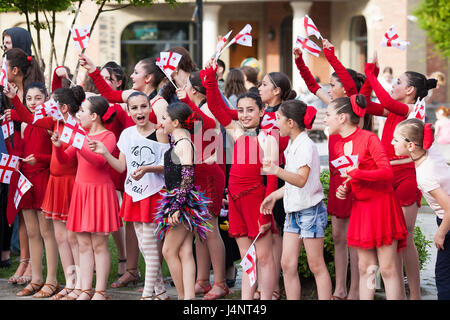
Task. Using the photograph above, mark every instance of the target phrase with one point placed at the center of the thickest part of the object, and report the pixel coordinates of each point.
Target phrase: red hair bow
(189, 122)
(427, 136)
(360, 112)
(309, 117)
(108, 114)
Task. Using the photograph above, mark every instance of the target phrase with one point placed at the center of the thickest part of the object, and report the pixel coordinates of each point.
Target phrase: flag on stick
(419, 110)
(308, 46)
(23, 186)
(73, 128)
(221, 44)
(344, 162)
(81, 37)
(8, 164)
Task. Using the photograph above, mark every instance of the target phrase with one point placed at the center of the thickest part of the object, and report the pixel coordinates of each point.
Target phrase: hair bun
(79, 94)
(431, 83)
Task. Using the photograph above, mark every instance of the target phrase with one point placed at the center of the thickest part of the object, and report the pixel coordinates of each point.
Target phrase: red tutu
(57, 197)
(140, 211)
(376, 222)
(210, 180)
(94, 208)
(33, 198)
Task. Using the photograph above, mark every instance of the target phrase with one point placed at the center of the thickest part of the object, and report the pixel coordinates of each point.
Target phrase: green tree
(434, 17)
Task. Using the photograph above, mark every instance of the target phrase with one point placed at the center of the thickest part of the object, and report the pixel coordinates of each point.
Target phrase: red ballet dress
(376, 217)
(58, 190)
(94, 206)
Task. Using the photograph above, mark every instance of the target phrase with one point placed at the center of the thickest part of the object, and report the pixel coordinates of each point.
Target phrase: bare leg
(51, 248)
(86, 254)
(292, 245)
(340, 227)
(188, 266)
(389, 266)
(102, 263)
(316, 263)
(367, 261)
(35, 244)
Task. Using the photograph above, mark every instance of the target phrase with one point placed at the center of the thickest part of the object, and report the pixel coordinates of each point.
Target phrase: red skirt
(140, 211)
(376, 222)
(33, 198)
(340, 208)
(57, 197)
(94, 208)
(405, 185)
(210, 179)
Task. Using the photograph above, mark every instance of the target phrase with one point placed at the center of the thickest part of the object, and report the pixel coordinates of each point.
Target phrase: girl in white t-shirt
(143, 158)
(306, 215)
(414, 138)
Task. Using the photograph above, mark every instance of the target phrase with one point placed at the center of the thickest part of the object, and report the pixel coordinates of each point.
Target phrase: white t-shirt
(431, 174)
(140, 151)
(300, 152)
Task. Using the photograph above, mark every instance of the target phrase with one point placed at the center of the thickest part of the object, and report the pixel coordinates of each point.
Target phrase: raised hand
(11, 92)
(56, 139)
(86, 63)
(326, 44)
(297, 53)
(97, 147)
(181, 94)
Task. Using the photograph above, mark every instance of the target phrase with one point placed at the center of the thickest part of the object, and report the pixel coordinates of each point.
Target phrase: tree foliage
(434, 17)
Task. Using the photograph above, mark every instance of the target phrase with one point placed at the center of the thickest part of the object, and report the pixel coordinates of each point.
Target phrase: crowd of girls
(152, 172)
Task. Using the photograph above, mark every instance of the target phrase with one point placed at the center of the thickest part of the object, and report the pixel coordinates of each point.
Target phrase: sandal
(45, 294)
(88, 292)
(132, 278)
(147, 298)
(13, 279)
(338, 298)
(75, 292)
(103, 293)
(119, 275)
(203, 289)
(61, 294)
(212, 296)
(28, 292)
(158, 296)
(276, 294)
(25, 279)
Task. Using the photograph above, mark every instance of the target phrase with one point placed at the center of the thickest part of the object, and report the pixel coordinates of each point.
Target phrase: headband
(308, 119)
(427, 137)
(360, 112)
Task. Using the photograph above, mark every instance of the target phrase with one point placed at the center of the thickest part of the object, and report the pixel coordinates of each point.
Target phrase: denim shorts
(308, 223)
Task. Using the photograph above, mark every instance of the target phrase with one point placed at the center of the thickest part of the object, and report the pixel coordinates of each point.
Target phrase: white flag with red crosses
(248, 264)
(308, 46)
(4, 75)
(244, 37)
(8, 164)
(269, 121)
(81, 37)
(52, 109)
(221, 44)
(344, 162)
(73, 128)
(7, 128)
(310, 28)
(418, 110)
(168, 62)
(391, 39)
(23, 186)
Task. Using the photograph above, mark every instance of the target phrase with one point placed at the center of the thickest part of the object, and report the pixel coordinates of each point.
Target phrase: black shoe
(5, 263)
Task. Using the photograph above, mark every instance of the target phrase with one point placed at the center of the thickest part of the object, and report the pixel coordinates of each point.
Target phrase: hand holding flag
(391, 39)
(168, 62)
(221, 44)
(345, 162)
(244, 38)
(73, 128)
(8, 164)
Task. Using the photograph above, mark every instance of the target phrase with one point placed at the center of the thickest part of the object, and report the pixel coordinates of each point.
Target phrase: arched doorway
(358, 43)
(145, 39)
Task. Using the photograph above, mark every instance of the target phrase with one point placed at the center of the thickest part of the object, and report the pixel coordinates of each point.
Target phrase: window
(358, 46)
(148, 38)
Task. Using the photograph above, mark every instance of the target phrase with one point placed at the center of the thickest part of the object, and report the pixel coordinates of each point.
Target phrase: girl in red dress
(377, 226)
(58, 191)
(94, 209)
(246, 186)
(343, 82)
(397, 106)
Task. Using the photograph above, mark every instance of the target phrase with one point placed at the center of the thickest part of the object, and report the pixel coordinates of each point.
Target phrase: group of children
(168, 158)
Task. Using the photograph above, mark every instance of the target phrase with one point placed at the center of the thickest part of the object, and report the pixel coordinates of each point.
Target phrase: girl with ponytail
(398, 106)
(302, 194)
(413, 138)
(377, 227)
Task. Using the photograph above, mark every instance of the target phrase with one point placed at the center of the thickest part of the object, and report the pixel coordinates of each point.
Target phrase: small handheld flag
(81, 37)
(418, 110)
(308, 46)
(391, 39)
(311, 28)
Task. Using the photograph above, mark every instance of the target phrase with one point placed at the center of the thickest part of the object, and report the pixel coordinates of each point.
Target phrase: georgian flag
(248, 264)
(221, 44)
(391, 39)
(244, 37)
(310, 28)
(7, 128)
(419, 110)
(8, 164)
(4, 75)
(269, 121)
(81, 37)
(344, 162)
(52, 109)
(73, 128)
(168, 62)
(308, 46)
(23, 186)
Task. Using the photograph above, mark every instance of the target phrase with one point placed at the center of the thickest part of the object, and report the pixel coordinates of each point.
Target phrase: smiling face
(110, 79)
(336, 89)
(34, 98)
(139, 77)
(139, 109)
(267, 90)
(248, 113)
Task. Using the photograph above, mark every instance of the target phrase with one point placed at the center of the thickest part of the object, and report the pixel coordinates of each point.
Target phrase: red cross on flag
(81, 37)
(419, 110)
(23, 186)
(344, 162)
(73, 128)
(308, 46)
(8, 164)
(7, 128)
(248, 264)
(52, 109)
(4, 75)
(310, 28)
(269, 121)
(391, 39)
(221, 44)
(168, 62)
